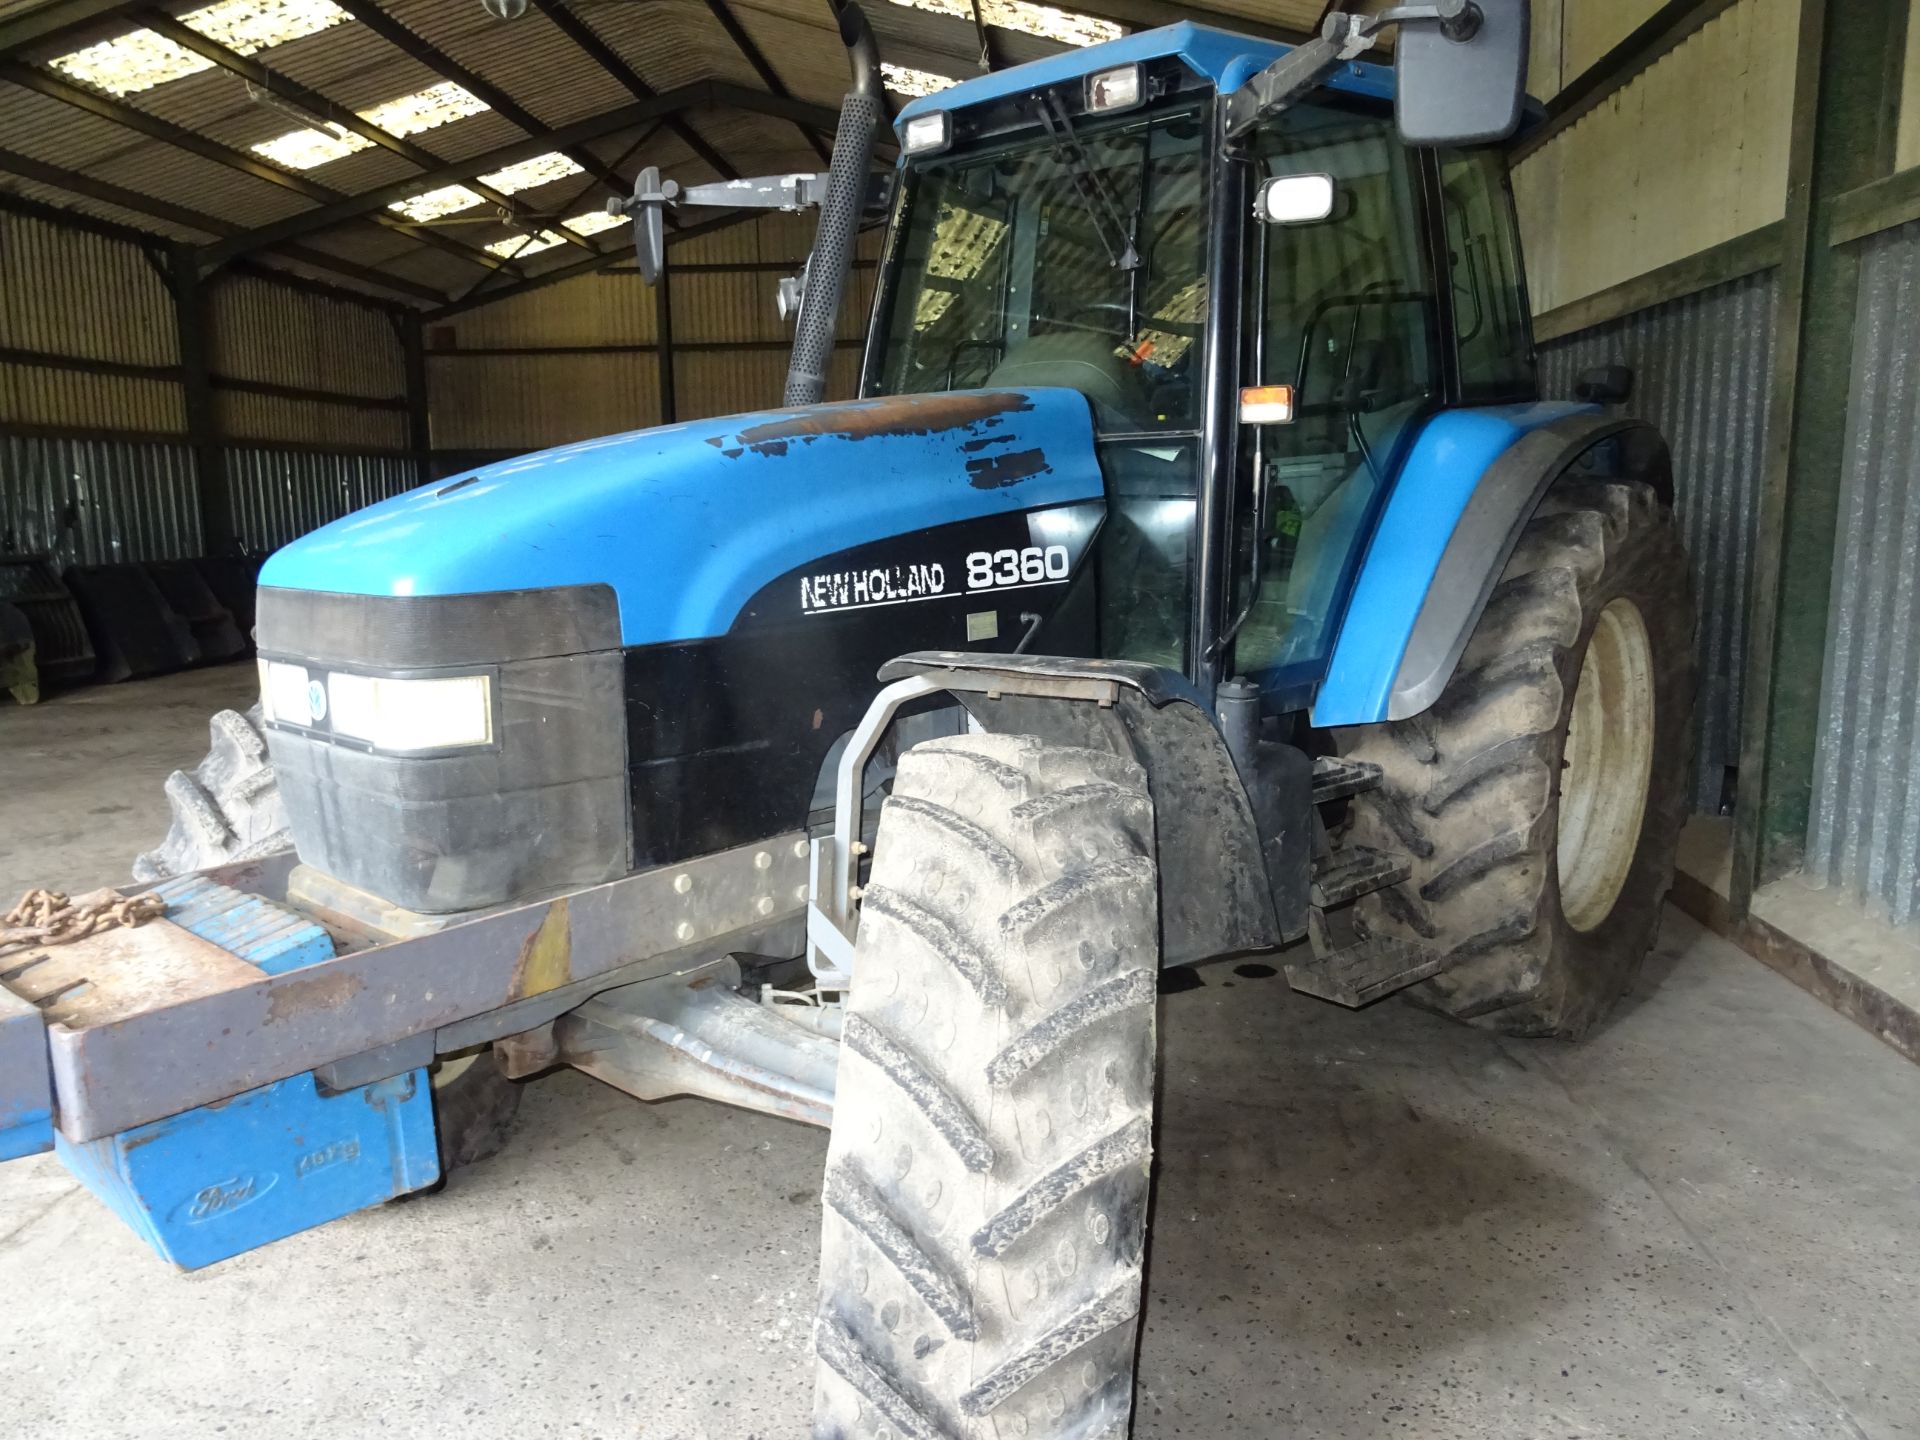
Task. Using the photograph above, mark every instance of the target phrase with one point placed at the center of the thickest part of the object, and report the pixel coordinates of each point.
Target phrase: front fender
(1466, 492)
(1214, 894)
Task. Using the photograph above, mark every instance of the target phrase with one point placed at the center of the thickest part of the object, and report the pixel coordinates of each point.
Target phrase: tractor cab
(1260, 321)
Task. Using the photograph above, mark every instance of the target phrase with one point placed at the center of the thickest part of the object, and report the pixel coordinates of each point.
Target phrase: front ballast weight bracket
(1214, 892)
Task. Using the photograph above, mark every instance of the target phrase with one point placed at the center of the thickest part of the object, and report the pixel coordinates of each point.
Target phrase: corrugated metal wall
(1907, 147)
(267, 332)
(97, 501)
(279, 495)
(1864, 831)
(68, 292)
(1701, 369)
(89, 470)
(489, 404)
(1691, 153)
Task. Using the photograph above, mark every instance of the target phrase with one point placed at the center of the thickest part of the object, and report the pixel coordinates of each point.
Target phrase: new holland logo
(878, 585)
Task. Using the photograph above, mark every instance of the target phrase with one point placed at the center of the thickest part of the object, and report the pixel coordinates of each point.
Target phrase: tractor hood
(687, 522)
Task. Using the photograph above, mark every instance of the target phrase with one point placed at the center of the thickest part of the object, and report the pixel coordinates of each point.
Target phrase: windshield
(1072, 258)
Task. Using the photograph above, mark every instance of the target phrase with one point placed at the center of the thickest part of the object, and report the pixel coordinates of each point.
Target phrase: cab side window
(1493, 338)
(1344, 311)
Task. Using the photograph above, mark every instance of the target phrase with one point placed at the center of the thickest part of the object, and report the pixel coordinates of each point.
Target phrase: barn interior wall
(1689, 154)
(580, 358)
(308, 387)
(1907, 147)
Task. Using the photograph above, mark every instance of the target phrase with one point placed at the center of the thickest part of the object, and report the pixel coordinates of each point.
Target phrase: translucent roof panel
(515, 246)
(304, 149)
(540, 170)
(427, 109)
(140, 59)
(592, 222)
(409, 115)
(905, 80)
(433, 204)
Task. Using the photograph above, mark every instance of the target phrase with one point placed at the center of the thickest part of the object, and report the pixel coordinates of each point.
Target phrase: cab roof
(1221, 56)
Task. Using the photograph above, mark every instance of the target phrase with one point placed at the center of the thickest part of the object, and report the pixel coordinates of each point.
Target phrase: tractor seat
(1076, 360)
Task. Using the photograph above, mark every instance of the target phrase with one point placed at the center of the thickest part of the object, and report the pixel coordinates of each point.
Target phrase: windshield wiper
(1100, 209)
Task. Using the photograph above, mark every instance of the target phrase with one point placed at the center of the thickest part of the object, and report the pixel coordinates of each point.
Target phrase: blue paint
(1227, 59)
(1432, 489)
(688, 521)
(26, 1131)
(26, 1079)
(229, 1177)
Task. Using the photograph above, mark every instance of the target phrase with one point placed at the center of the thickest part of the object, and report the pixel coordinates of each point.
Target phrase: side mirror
(650, 195)
(1604, 385)
(1462, 81)
(1294, 200)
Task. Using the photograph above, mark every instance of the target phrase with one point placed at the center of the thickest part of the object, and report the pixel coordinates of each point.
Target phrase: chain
(46, 917)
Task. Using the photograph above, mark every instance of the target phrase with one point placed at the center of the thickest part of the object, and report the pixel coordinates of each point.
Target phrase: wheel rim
(1606, 765)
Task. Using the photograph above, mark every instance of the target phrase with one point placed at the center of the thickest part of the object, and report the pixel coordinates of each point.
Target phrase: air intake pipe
(826, 279)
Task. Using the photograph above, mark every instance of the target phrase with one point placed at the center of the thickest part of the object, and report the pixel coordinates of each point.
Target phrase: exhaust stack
(832, 258)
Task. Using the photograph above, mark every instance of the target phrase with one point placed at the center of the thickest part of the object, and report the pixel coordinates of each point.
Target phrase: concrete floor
(1703, 1222)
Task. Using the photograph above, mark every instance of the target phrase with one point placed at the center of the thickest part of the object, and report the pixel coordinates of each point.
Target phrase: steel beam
(609, 60)
(1648, 42)
(167, 133)
(586, 267)
(743, 42)
(312, 101)
(681, 347)
(401, 38)
(123, 1063)
(192, 316)
(1150, 14)
(413, 347)
(78, 184)
(1845, 101)
(1730, 260)
(663, 333)
(350, 208)
(29, 27)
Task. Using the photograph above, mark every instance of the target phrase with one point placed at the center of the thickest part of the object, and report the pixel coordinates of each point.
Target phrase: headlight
(927, 134)
(440, 713)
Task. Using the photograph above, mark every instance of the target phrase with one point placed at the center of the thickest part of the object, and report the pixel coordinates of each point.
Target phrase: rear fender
(1214, 895)
(1365, 683)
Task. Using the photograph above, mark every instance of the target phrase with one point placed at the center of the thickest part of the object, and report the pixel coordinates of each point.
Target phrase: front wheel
(986, 1190)
(1541, 797)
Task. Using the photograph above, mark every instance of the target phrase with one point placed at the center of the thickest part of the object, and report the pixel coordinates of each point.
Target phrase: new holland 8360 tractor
(1198, 571)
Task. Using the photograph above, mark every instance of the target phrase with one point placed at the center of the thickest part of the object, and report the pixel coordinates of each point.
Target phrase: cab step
(1353, 871)
(1336, 779)
(1362, 973)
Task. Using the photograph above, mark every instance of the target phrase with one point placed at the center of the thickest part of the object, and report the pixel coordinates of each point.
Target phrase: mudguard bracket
(1213, 884)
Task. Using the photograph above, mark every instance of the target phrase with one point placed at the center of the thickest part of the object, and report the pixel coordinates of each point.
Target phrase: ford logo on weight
(317, 700)
(223, 1197)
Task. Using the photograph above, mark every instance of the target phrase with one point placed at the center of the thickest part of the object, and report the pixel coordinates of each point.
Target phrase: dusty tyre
(227, 808)
(986, 1189)
(1541, 797)
(474, 1105)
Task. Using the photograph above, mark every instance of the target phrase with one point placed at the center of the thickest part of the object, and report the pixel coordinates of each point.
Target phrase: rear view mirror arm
(1342, 38)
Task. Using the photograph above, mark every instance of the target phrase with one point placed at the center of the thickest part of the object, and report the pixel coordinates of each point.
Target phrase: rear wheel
(226, 809)
(986, 1188)
(1541, 797)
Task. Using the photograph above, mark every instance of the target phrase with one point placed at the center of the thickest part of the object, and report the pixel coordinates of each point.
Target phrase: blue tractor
(1198, 571)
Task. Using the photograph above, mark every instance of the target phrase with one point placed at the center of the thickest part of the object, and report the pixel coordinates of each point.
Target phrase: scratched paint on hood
(686, 522)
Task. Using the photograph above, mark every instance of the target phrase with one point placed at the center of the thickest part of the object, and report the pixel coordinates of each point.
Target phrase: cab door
(1342, 313)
